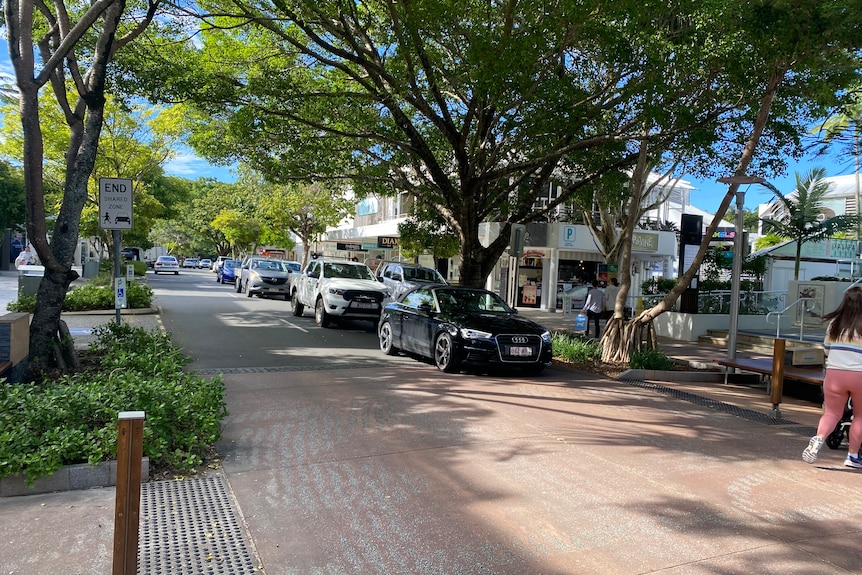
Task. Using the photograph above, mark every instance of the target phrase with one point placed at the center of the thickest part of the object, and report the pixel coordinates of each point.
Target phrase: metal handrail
(780, 313)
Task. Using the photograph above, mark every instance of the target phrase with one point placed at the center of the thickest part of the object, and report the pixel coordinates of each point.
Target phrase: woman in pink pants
(843, 345)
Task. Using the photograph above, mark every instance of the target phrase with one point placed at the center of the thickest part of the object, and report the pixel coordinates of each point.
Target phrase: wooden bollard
(130, 446)
(777, 389)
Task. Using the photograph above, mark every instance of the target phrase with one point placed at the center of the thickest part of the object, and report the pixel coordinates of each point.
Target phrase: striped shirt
(845, 354)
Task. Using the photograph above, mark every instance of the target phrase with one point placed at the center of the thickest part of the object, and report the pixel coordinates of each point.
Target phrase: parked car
(227, 271)
(166, 264)
(457, 326)
(205, 263)
(293, 266)
(217, 262)
(337, 289)
(402, 277)
(264, 277)
(190, 263)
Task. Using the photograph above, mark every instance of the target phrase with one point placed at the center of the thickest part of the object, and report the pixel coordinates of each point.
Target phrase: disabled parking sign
(119, 293)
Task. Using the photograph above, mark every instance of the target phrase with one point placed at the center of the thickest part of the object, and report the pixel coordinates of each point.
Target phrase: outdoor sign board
(115, 204)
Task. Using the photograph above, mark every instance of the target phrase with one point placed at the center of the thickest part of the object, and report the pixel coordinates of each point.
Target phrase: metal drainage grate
(719, 406)
(190, 528)
(278, 369)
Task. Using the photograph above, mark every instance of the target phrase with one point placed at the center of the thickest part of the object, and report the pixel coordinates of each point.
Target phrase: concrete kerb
(69, 478)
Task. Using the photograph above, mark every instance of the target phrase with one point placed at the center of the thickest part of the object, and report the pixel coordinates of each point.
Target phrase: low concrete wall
(690, 326)
(69, 477)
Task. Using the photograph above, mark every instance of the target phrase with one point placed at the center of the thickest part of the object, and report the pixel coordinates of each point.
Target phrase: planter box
(68, 478)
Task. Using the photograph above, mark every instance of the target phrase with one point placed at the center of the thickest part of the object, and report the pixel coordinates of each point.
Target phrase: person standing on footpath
(593, 307)
(610, 299)
(843, 381)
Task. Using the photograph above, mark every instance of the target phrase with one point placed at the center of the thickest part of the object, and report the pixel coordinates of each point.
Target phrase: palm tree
(799, 216)
(845, 127)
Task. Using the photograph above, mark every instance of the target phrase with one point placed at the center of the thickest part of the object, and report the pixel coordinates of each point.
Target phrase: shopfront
(564, 256)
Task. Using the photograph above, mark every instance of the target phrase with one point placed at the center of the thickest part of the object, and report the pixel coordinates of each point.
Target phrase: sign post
(115, 213)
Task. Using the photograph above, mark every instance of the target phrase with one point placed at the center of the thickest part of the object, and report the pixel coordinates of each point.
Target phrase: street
(221, 329)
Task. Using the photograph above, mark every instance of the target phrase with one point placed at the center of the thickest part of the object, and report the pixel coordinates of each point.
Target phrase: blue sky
(707, 195)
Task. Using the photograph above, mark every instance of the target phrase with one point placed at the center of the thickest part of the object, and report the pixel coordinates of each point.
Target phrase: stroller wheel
(834, 439)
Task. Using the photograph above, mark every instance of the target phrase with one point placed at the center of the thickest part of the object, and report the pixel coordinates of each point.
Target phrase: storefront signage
(387, 242)
(724, 235)
(537, 253)
(644, 242)
(349, 247)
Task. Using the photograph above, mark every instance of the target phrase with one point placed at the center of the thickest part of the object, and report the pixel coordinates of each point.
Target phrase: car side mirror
(425, 308)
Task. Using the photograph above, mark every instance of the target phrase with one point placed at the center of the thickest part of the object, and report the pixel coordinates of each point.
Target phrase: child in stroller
(842, 429)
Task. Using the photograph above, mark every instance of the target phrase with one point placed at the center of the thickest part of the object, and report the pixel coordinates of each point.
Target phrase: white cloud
(188, 165)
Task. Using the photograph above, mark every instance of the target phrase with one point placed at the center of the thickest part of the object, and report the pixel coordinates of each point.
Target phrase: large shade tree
(478, 104)
(66, 47)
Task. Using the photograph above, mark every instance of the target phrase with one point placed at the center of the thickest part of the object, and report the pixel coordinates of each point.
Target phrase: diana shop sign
(115, 204)
(387, 242)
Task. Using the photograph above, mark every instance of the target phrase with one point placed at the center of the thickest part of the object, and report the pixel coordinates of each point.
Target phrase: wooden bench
(777, 370)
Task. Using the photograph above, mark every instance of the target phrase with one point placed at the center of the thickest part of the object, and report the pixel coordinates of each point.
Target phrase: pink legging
(838, 385)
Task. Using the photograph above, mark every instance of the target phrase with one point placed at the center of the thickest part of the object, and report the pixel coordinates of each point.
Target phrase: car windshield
(167, 259)
(356, 272)
(423, 274)
(470, 301)
(270, 265)
(293, 266)
(230, 263)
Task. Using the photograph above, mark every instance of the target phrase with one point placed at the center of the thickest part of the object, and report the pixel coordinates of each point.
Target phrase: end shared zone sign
(115, 204)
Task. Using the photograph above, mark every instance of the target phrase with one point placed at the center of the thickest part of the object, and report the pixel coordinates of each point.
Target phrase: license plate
(521, 351)
(364, 305)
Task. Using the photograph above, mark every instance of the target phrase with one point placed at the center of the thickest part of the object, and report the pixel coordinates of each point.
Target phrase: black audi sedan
(462, 326)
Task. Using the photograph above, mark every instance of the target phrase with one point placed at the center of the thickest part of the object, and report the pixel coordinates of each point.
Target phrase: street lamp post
(738, 254)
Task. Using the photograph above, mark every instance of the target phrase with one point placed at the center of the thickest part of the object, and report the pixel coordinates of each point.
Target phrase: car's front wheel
(444, 353)
(248, 290)
(237, 286)
(321, 318)
(386, 339)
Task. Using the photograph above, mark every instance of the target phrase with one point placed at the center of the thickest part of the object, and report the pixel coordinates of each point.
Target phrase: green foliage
(650, 359)
(657, 286)
(73, 418)
(576, 349)
(24, 304)
(92, 296)
(767, 241)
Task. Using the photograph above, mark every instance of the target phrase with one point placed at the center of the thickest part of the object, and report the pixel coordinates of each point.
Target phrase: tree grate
(190, 527)
(720, 406)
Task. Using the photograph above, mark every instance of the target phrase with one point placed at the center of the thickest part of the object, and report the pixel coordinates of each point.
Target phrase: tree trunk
(85, 123)
(619, 341)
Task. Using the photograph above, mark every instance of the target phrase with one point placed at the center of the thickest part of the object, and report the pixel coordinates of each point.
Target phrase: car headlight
(546, 337)
(254, 275)
(468, 333)
(337, 291)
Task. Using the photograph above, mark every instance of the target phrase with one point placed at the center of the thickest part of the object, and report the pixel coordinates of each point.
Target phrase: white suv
(338, 289)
